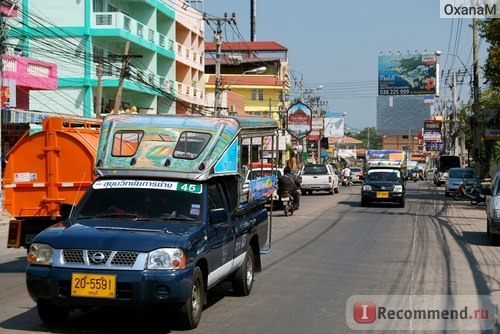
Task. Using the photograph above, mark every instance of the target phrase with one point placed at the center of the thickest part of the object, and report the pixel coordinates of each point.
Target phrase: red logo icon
(365, 312)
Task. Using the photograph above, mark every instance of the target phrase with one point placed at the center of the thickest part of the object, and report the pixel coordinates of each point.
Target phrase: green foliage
(370, 138)
(490, 30)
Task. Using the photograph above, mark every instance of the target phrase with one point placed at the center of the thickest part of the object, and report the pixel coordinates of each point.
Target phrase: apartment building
(112, 55)
(243, 89)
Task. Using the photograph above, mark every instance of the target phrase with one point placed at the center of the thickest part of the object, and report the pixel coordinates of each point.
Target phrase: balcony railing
(117, 20)
(188, 93)
(189, 57)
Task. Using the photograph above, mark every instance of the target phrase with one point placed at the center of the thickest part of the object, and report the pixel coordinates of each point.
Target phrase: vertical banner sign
(299, 120)
(407, 74)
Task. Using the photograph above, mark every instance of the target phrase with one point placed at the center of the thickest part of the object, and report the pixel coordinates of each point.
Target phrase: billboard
(407, 74)
(334, 127)
(299, 120)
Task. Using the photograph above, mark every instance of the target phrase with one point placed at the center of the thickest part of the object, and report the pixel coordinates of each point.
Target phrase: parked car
(493, 210)
(429, 174)
(318, 177)
(456, 176)
(357, 174)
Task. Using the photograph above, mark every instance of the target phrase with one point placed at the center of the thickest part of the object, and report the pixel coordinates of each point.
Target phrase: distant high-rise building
(398, 115)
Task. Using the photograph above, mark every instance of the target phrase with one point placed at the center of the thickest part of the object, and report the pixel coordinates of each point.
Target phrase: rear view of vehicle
(445, 163)
(319, 177)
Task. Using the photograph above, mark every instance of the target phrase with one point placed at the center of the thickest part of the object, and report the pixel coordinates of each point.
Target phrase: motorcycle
(346, 181)
(287, 202)
(479, 194)
(474, 192)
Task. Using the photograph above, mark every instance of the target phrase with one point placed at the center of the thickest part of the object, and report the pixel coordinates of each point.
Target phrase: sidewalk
(5, 217)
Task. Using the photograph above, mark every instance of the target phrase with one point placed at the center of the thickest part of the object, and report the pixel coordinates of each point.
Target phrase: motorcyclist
(290, 182)
(346, 175)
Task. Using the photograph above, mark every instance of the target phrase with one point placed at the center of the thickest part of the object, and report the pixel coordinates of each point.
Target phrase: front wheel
(190, 311)
(244, 277)
(457, 197)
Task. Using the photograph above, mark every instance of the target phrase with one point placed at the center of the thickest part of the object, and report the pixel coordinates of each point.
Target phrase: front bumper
(134, 289)
(382, 196)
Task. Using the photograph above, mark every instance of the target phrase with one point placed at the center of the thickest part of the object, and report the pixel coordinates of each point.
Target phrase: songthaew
(165, 220)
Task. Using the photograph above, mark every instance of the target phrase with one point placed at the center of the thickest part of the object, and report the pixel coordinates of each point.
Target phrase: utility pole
(218, 46)
(125, 65)
(123, 73)
(99, 89)
(476, 120)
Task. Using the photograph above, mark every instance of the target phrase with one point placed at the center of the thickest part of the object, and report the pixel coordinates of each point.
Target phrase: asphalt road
(328, 251)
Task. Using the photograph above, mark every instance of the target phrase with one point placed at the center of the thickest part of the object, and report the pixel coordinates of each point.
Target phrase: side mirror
(65, 210)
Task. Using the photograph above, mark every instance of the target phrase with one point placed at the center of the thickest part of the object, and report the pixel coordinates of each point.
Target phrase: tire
(494, 239)
(336, 190)
(287, 210)
(190, 311)
(364, 202)
(457, 197)
(243, 278)
(402, 203)
(51, 314)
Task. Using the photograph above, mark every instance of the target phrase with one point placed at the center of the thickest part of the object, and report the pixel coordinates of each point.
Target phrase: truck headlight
(166, 258)
(398, 188)
(40, 254)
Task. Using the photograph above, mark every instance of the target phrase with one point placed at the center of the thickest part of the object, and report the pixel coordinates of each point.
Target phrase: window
(191, 144)
(257, 94)
(214, 198)
(98, 6)
(125, 143)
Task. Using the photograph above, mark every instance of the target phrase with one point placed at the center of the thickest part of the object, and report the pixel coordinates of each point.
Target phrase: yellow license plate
(382, 194)
(90, 285)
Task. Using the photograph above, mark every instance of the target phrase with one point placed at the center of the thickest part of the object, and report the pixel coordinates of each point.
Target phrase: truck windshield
(141, 203)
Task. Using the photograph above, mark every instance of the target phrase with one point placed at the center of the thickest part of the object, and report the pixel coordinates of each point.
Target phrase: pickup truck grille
(99, 257)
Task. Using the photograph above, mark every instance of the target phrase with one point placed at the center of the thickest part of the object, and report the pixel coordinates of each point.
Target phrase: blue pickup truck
(163, 223)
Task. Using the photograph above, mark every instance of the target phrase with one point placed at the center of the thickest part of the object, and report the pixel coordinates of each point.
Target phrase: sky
(335, 44)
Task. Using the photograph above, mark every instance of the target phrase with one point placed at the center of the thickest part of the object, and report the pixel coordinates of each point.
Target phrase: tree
(370, 138)
(490, 30)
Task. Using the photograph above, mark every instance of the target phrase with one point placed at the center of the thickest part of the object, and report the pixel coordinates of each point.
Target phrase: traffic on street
(328, 251)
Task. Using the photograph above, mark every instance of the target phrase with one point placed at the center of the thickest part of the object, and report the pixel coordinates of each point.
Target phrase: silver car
(493, 210)
(456, 176)
(356, 172)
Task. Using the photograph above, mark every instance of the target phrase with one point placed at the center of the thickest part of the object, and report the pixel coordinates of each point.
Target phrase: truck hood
(114, 234)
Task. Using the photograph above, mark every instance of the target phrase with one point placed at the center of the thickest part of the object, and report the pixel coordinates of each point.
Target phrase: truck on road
(166, 219)
(45, 169)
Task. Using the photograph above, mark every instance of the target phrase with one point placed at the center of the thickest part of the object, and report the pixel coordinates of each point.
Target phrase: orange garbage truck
(45, 169)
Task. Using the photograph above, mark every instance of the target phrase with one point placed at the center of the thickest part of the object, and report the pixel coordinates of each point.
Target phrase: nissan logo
(98, 257)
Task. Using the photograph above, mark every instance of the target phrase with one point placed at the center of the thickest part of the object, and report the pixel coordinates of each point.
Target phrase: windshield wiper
(175, 216)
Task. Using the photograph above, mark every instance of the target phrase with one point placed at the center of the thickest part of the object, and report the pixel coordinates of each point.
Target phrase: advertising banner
(299, 120)
(407, 74)
(334, 127)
